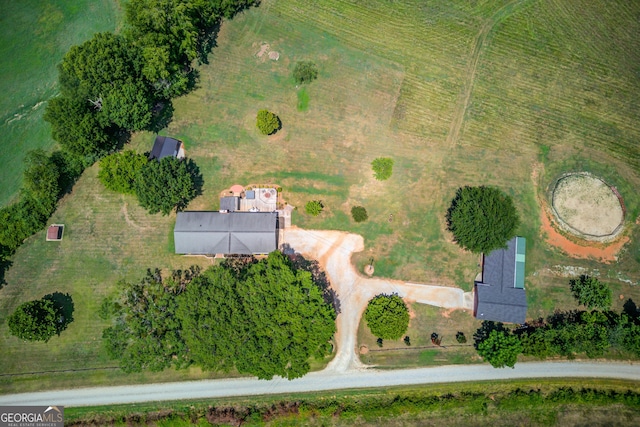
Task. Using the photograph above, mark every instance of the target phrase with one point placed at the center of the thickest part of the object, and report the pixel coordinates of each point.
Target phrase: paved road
(319, 381)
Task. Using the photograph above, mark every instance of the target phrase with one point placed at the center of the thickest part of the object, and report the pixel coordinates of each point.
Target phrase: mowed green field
(457, 93)
(34, 36)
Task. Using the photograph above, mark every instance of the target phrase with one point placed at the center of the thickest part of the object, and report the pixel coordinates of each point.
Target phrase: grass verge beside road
(504, 403)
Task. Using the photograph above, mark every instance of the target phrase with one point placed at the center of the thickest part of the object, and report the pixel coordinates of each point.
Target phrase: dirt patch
(274, 56)
(264, 48)
(368, 270)
(364, 349)
(586, 206)
(605, 253)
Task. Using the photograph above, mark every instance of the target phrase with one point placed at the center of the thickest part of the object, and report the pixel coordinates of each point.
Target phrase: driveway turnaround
(333, 250)
(319, 381)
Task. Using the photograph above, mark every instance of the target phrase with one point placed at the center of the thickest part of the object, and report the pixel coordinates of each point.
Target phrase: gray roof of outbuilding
(229, 203)
(497, 297)
(164, 146)
(209, 233)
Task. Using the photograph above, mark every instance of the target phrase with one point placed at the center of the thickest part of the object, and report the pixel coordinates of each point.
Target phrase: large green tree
(119, 171)
(589, 291)
(482, 218)
(500, 348)
(167, 184)
(34, 320)
(387, 316)
(265, 318)
(147, 334)
(105, 73)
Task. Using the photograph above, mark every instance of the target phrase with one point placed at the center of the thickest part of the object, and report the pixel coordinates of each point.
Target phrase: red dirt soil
(605, 253)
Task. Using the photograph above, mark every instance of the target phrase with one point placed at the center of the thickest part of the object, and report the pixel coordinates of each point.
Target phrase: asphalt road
(320, 381)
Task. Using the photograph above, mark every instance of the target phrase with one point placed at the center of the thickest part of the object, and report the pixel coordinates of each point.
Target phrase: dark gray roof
(164, 146)
(500, 296)
(229, 203)
(208, 233)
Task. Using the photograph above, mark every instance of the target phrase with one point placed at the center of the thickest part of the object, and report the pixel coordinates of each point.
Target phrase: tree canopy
(482, 218)
(590, 292)
(500, 349)
(167, 184)
(267, 122)
(305, 72)
(359, 214)
(262, 318)
(382, 168)
(119, 171)
(34, 320)
(387, 316)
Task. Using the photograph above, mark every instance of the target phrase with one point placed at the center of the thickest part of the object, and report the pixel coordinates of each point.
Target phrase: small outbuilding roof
(165, 146)
(55, 232)
(229, 203)
(500, 295)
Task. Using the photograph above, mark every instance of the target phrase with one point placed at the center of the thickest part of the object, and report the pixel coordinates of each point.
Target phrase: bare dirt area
(588, 207)
(333, 250)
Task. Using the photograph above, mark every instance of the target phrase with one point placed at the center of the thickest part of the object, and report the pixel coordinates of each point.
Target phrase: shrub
(482, 218)
(382, 168)
(359, 214)
(461, 338)
(387, 316)
(118, 171)
(589, 291)
(267, 122)
(314, 207)
(305, 72)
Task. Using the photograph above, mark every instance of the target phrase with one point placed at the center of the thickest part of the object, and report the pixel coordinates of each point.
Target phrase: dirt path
(481, 41)
(333, 249)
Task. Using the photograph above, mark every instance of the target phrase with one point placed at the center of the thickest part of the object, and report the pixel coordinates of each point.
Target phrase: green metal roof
(521, 248)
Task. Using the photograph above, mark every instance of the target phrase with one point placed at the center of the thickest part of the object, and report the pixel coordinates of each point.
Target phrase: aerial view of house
(283, 196)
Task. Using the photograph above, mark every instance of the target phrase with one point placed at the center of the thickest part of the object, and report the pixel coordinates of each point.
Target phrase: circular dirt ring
(588, 207)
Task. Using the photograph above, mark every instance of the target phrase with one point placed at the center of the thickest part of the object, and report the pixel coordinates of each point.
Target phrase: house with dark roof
(226, 233)
(165, 146)
(499, 294)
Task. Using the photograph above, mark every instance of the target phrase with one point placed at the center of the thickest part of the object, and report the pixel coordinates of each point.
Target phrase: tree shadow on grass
(4, 266)
(64, 307)
(629, 308)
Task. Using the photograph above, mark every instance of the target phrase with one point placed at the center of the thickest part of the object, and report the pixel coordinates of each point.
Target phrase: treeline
(262, 318)
(564, 333)
(453, 408)
(110, 86)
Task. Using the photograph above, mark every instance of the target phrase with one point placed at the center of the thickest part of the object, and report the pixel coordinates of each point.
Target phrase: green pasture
(34, 36)
(552, 86)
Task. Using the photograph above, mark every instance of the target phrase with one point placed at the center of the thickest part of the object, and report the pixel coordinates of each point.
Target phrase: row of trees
(565, 334)
(110, 86)
(160, 185)
(262, 318)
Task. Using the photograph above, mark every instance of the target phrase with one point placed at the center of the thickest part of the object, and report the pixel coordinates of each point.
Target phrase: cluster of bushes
(564, 333)
(262, 318)
(111, 85)
(160, 186)
(374, 407)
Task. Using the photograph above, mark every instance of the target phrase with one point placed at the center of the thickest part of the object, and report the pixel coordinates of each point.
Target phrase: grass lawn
(551, 86)
(34, 36)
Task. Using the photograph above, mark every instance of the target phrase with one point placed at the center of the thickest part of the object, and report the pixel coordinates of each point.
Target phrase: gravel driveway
(333, 250)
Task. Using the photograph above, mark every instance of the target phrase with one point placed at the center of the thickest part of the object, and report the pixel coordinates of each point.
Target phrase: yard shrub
(590, 292)
(387, 316)
(500, 348)
(482, 218)
(305, 72)
(359, 214)
(313, 207)
(382, 168)
(267, 122)
(118, 171)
